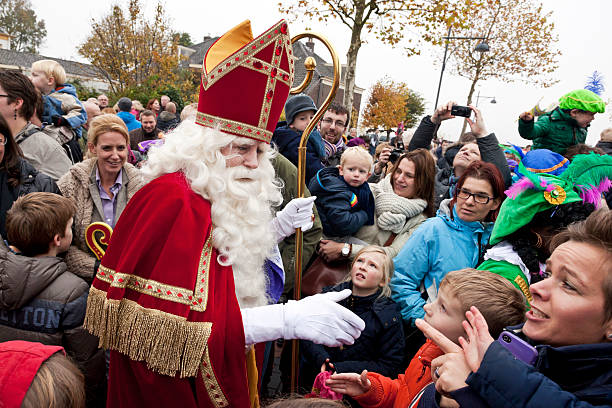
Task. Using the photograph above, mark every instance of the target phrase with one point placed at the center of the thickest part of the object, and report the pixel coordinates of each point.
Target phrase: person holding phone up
(485, 148)
(570, 324)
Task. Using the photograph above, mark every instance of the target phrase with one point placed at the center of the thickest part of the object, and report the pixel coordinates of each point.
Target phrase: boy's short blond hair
(51, 68)
(498, 300)
(356, 152)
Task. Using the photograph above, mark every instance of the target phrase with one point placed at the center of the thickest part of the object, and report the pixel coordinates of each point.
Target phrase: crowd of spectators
(430, 234)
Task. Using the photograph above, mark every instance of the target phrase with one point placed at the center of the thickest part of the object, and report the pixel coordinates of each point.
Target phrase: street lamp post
(481, 47)
(492, 98)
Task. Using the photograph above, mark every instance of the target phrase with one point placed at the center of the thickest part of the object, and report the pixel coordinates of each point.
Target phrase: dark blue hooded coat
(343, 209)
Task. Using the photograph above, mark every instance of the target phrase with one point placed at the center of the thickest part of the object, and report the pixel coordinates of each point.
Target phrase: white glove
(296, 214)
(317, 318)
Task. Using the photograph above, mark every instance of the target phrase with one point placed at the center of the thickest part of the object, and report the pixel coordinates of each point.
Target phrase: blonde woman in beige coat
(100, 186)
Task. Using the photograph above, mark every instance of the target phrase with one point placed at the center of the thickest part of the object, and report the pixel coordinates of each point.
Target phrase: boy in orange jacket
(499, 302)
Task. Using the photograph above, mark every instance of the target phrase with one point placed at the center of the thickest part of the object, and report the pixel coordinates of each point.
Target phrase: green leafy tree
(183, 39)
(19, 21)
(389, 21)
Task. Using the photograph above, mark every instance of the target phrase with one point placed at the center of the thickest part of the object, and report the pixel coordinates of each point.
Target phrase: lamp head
(482, 47)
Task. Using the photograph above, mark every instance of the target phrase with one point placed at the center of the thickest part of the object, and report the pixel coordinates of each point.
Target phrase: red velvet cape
(166, 308)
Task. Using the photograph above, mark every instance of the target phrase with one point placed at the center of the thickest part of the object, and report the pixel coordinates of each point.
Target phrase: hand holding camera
(477, 125)
(443, 113)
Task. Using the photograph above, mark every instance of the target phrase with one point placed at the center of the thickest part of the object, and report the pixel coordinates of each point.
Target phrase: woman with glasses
(454, 239)
(17, 176)
(19, 101)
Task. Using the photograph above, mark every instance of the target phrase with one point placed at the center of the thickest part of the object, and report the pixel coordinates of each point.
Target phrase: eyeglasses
(338, 123)
(4, 95)
(478, 197)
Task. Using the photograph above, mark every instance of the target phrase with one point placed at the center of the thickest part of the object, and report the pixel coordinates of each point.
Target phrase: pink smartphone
(518, 347)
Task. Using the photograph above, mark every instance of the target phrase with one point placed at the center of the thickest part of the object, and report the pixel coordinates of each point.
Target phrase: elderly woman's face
(568, 306)
(111, 151)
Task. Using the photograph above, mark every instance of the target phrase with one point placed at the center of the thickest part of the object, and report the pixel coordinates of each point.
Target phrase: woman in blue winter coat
(455, 239)
(569, 328)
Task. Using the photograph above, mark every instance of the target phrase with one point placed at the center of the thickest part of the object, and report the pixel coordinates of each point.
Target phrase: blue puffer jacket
(380, 348)
(129, 120)
(438, 246)
(577, 376)
(343, 209)
(65, 97)
(287, 142)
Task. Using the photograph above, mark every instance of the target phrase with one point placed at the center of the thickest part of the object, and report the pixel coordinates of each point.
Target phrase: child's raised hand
(526, 116)
(351, 384)
(327, 365)
(479, 338)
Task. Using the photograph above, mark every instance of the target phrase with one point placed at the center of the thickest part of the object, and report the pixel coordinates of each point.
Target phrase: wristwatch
(346, 250)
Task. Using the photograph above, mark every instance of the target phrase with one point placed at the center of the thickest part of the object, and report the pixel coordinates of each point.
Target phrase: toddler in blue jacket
(344, 199)
(62, 107)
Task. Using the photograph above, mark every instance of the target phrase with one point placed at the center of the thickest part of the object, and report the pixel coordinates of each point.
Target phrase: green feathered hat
(582, 99)
(586, 178)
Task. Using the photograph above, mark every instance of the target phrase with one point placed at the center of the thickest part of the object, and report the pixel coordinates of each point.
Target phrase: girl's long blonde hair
(387, 268)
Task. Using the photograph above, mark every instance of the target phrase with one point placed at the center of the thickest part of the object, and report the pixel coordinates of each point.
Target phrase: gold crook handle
(310, 65)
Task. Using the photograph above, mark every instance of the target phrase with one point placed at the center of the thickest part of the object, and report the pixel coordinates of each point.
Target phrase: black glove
(96, 266)
(58, 120)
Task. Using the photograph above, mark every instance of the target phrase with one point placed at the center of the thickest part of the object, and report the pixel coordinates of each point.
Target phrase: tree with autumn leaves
(390, 103)
(136, 54)
(388, 20)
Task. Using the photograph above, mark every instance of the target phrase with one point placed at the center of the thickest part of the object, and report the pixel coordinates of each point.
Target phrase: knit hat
(585, 179)
(582, 99)
(542, 161)
(296, 104)
(19, 363)
(124, 104)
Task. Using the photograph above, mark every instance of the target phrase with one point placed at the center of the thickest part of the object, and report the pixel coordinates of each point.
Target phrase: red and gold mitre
(246, 81)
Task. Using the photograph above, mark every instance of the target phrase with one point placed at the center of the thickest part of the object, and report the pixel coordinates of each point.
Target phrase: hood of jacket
(328, 179)
(67, 89)
(23, 278)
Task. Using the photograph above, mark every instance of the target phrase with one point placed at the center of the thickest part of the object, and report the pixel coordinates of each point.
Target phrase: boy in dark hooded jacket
(344, 199)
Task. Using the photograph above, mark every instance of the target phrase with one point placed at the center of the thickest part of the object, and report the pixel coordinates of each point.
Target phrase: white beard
(241, 211)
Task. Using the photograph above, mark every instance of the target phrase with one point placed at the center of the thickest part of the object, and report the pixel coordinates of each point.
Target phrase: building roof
(24, 60)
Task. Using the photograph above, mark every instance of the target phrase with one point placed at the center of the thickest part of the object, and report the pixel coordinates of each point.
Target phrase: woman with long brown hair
(403, 200)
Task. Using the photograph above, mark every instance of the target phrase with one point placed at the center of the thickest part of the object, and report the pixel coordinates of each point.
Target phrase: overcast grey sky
(584, 39)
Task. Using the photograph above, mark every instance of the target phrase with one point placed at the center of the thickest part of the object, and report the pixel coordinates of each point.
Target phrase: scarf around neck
(393, 211)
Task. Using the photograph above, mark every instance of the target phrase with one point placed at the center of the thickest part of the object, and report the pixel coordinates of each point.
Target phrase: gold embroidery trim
(242, 56)
(548, 170)
(210, 382)
(169, 344)
(238, 128)
(196, 298)
(524, 288)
